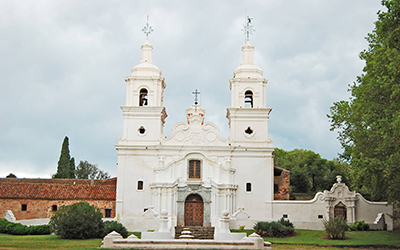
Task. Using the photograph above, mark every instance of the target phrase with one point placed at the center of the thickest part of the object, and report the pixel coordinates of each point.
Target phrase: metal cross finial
(248, 27)
(195, 93)
(147, 29)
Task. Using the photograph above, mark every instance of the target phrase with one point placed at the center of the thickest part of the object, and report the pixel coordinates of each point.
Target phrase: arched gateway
(194, 210)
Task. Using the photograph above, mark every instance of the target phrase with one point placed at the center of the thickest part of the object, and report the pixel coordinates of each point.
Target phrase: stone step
(197, 232)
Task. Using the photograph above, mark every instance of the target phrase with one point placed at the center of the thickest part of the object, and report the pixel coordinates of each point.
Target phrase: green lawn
(310, 239)
(304, 239)
(45, 242)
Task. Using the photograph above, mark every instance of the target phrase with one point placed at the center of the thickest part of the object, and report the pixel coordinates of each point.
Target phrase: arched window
(248, 187)
(194, 169)
(143, 97)
(248, 99)
(140, 185)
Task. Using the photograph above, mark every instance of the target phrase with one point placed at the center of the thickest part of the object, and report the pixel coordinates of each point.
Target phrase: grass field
(304, 239)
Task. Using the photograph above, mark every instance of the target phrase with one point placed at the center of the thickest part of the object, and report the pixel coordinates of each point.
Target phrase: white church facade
(194, 175)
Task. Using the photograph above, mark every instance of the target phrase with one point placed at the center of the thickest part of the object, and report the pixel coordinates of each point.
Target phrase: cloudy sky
(63, 65)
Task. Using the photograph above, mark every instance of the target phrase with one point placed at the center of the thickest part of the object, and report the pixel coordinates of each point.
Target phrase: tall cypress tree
(63, 169)
(72, 168)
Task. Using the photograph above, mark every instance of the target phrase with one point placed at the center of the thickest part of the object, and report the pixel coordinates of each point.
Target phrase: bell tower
(144, 113)
(248, 115)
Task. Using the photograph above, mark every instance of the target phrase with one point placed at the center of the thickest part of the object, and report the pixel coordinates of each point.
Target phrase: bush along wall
(280, 228)
(359, 226)
(7, 227)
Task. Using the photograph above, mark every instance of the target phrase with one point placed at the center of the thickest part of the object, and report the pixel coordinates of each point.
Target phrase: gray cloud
(64, 62)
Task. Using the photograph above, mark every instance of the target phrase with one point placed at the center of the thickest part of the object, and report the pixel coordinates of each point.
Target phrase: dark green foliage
(64, 169)
(17, 229)
(7, 227)
(110, 226)
(310, 172)
(3, 225)
(86, 170)
(72, 168)
(39, 230)
(368, 124)
(280, 228)
(359, 226)
(11, 175)
(336, 227)
(78, 221)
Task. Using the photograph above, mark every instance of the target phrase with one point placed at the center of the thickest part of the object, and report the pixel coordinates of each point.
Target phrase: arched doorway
(194, 210)
(340, 210)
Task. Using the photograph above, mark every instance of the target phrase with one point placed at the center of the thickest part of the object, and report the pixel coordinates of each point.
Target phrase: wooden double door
(194, 210)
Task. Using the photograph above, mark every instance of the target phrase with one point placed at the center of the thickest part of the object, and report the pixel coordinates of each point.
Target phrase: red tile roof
(57, 189)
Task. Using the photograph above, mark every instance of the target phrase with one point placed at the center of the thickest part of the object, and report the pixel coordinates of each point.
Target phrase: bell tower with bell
(144, 113)
(248, 115)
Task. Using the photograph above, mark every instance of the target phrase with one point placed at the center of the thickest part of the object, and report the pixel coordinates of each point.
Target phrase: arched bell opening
(248, 99)
(143, 99)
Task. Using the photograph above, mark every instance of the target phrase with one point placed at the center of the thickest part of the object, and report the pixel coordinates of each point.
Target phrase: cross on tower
(195, 93)
(147, 29)
(248, 27)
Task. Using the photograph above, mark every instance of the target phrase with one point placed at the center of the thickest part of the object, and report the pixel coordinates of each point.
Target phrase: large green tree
(368, 124)
(310, 172)
(86, 170)
(64, 169)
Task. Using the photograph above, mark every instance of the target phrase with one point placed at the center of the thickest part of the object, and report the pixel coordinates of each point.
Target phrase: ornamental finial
(248, 27)
(147, 29)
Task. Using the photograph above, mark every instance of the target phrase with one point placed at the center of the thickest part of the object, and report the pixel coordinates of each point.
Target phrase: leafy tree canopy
(310, 172)
(11, 175)
(368, 124)
(86, 170)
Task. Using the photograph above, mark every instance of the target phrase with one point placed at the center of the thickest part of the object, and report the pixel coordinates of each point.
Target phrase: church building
(194, 174)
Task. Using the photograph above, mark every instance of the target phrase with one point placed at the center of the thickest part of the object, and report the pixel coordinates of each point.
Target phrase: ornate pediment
(339, 191)
(195, 132)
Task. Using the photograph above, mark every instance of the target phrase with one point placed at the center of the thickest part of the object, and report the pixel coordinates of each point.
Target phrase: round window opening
(142, 130)
(248, 131)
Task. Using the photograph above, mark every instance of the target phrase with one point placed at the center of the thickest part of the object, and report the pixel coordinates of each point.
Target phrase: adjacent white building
(195, 174)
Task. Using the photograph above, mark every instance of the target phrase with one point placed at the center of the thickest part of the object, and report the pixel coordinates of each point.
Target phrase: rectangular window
(54, 208)
(194, 169)
(285, 216)
(108, 212)
(140, 185)
(248, 187)
(24, 207)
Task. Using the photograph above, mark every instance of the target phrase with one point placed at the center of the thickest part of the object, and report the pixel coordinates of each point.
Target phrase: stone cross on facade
(147, 29)
(195, 93)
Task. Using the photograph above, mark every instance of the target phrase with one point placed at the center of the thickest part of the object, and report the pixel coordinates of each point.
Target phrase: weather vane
(147, 29)
(248, 28)
(195, 93)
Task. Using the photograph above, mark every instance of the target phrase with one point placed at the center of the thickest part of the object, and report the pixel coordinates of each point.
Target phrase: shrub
(3, 224)
(110, 226)
(336, 227)
(359, 226)
(7, 227)
(39, 230)
(78, 221)
(280, 228)
(17, 229)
